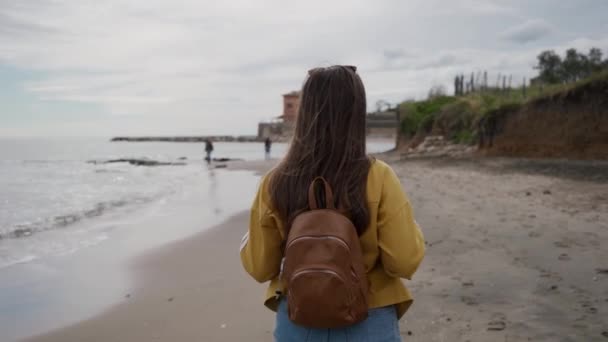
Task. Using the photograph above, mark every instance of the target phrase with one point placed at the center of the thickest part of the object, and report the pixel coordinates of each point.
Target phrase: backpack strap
(329, 197)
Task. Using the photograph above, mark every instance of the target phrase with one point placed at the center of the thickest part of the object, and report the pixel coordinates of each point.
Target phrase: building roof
(294, 93)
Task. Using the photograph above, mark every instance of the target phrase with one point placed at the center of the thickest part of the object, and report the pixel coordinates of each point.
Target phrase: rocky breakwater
(438, 146)
(149, 162)
(137, 162)
(191, 139)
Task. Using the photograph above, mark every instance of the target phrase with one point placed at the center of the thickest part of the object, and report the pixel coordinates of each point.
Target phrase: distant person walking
(267, 146)
(208, 150)
(331, 228)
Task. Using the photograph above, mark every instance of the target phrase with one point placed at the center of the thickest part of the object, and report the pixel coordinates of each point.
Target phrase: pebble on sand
(497, 325)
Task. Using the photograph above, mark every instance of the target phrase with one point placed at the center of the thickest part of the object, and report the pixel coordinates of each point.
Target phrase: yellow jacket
(392, 245)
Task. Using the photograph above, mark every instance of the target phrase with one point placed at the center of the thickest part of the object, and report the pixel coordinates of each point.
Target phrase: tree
(437, 91)
(573, 66)
(382, 104)
(595, 59)
(549, 66)
(457, 91)
(595, 56)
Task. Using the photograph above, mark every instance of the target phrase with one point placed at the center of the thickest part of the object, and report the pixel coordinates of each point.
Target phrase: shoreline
(172, 301)
(514, 249)
(192, 139)
(62, 288)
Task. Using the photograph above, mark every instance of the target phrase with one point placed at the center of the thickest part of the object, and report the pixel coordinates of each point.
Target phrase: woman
(329, 142)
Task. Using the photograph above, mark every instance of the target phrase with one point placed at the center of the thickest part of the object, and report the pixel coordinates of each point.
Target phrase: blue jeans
(381, 325)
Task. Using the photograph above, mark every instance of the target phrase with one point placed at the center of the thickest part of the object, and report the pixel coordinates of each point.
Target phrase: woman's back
(392, 244)
(329, 142)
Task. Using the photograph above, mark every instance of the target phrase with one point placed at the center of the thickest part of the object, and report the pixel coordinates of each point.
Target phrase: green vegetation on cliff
(462, 118)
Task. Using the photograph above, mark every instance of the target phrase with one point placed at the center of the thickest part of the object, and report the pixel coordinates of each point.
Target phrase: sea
(53, 190)
(70, 223)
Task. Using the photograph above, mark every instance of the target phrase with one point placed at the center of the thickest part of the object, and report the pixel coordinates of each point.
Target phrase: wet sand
(516, 251)
(190, 290)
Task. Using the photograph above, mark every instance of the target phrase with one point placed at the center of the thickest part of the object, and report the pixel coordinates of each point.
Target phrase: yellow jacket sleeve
(399, 238)
(261, 253)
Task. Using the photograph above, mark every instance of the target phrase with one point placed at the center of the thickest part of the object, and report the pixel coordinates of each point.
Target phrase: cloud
(210, 66)
(486, 7)
(398, 53)
(448, 59)
(529, 31)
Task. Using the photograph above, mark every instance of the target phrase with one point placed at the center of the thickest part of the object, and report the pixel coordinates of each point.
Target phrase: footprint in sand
(498, 322)
(561, 244)
(588, 307)
(468, 300)
(601, 270)
(497, 325)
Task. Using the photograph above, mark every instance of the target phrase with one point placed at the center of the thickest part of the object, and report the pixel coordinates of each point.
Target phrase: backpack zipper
(315, 270)
(306, 237)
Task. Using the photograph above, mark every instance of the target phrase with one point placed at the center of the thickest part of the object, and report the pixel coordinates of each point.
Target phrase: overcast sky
(103, 68)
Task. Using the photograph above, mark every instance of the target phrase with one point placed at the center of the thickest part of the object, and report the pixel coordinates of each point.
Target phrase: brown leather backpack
(323, 271)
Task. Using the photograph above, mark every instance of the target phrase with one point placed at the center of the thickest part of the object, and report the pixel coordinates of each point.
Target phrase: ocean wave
(109, 171)
(22, 260)
(62, 221)
(45, 161)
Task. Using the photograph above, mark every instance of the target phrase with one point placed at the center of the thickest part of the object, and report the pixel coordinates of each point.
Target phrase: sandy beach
(516, 252)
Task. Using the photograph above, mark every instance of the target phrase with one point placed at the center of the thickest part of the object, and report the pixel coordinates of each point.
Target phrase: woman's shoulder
(379, 174)
(264, 187)
(264, 182)
(379, 169)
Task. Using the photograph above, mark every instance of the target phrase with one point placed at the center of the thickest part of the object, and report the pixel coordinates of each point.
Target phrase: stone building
(281, 127)
(379, 125)
(291, 103)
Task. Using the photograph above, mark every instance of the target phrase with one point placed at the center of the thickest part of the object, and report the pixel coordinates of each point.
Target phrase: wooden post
(472, 82)
(485, 80)
(398, 118)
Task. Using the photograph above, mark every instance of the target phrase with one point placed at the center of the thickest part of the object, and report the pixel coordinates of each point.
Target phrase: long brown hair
(329, 141)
